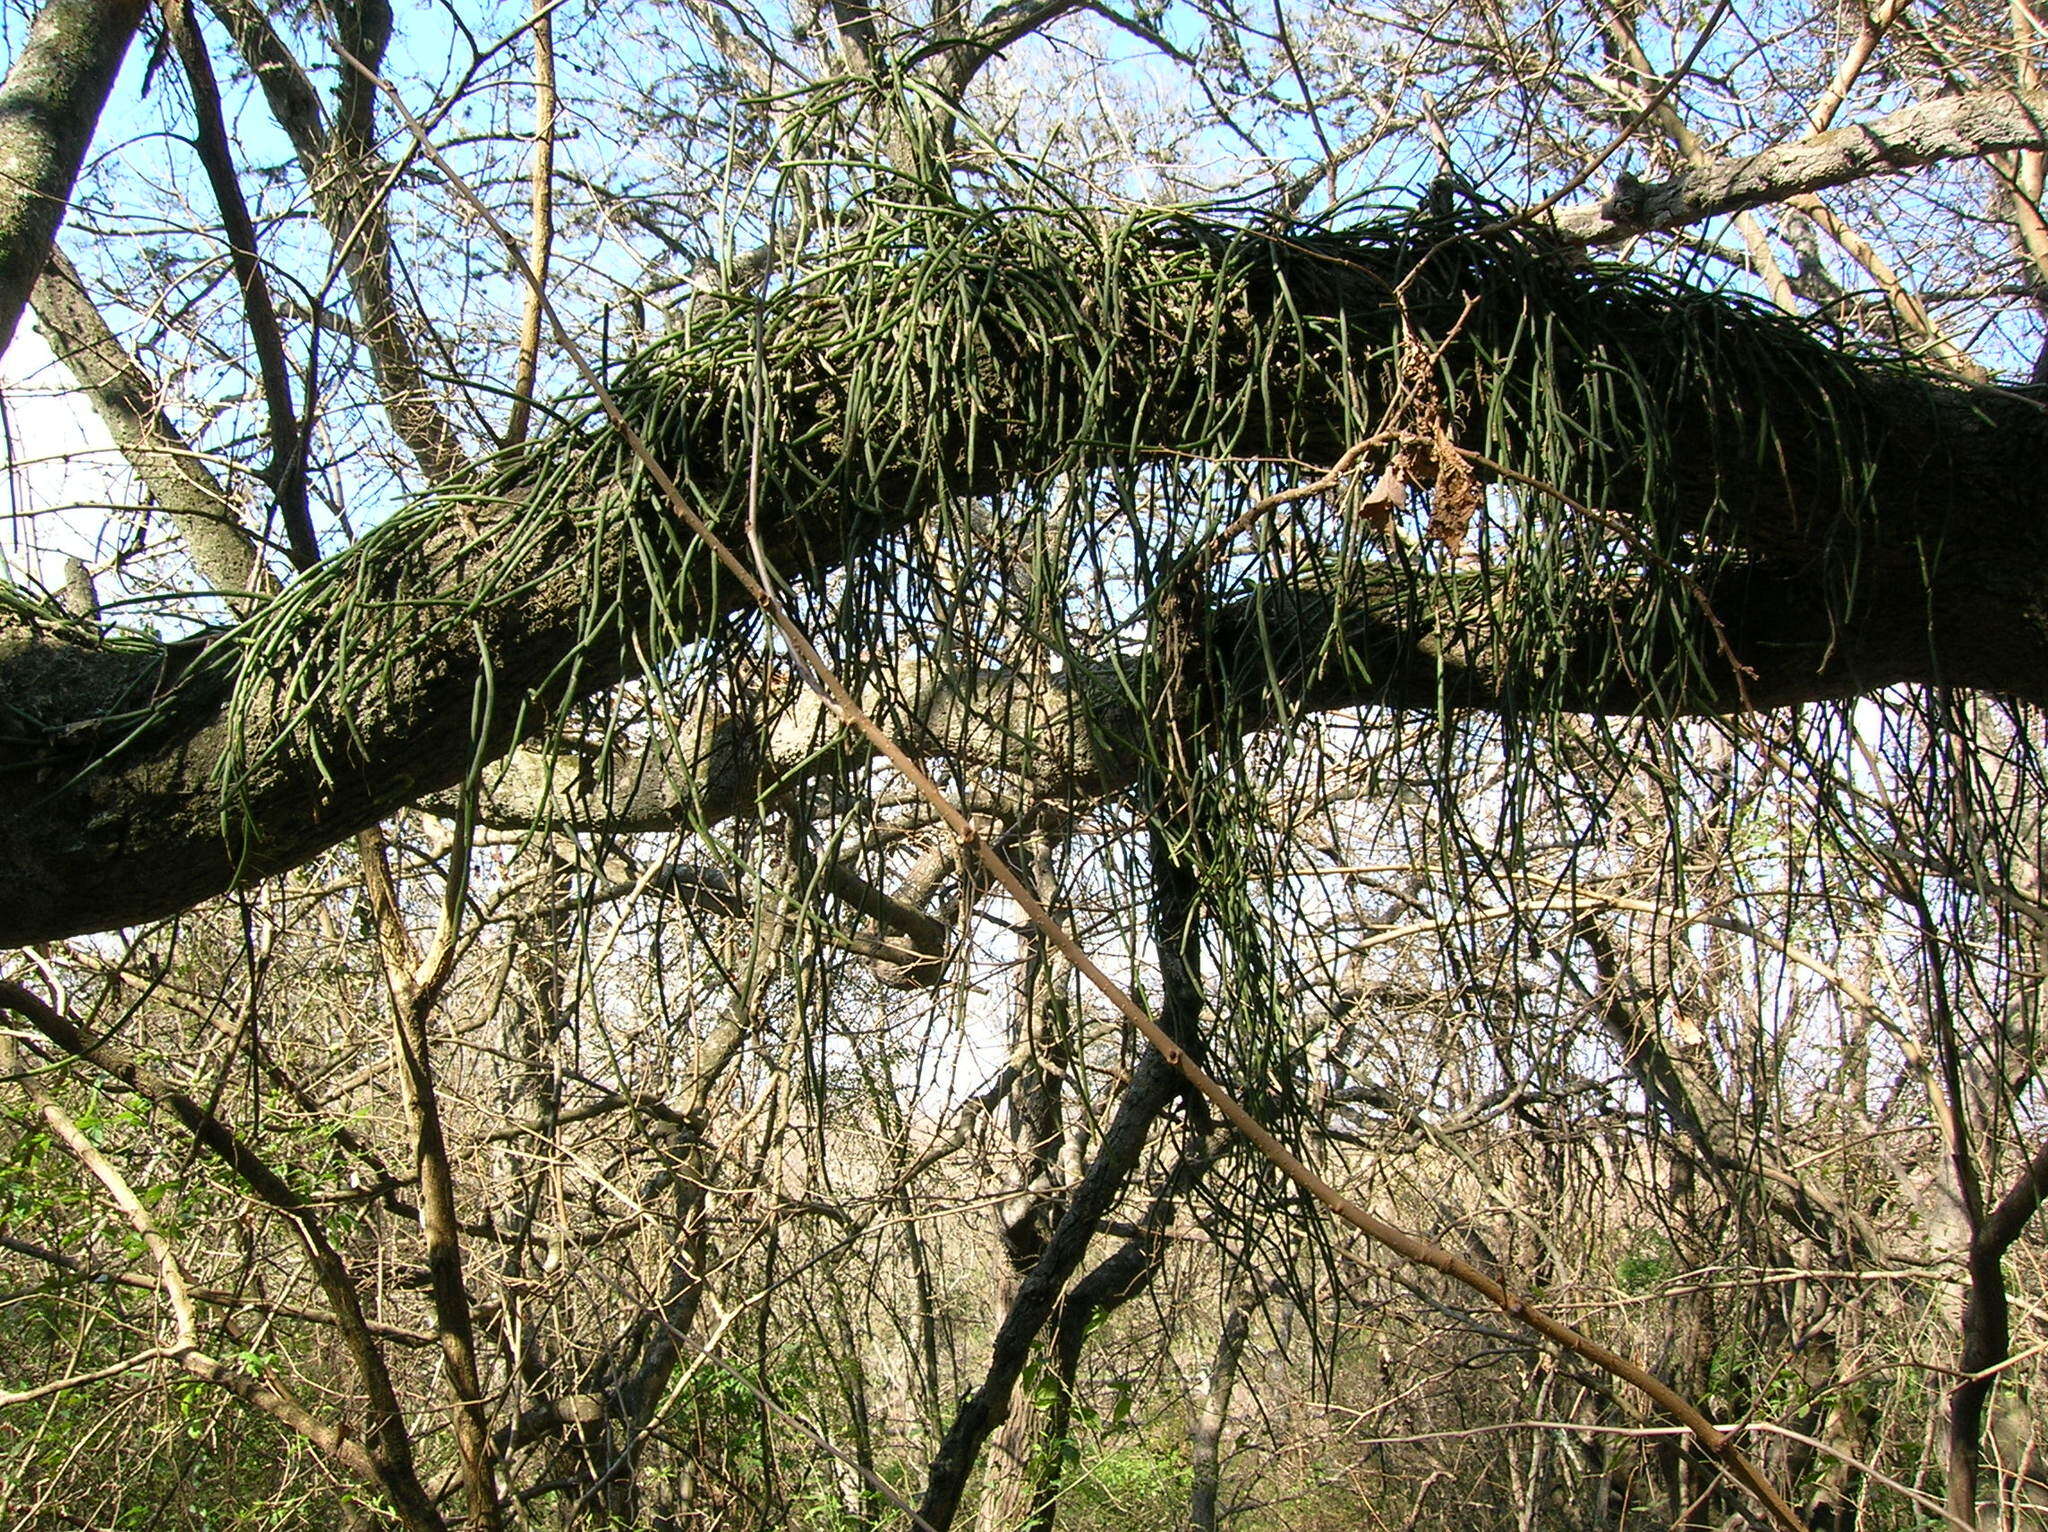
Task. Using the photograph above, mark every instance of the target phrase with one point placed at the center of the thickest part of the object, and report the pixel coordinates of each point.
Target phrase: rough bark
(118, 816)
(1205, 1436)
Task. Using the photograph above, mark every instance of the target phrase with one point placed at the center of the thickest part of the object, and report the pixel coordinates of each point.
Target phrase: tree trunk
(1205, 1436)
(1986, 1341)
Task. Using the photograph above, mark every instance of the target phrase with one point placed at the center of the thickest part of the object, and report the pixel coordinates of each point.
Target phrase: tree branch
(184, 1349)
(224, 1297)
(349, 184)
(390, 1445)
(1948, 128)
(415, 987)
(127, 404)
(119, 753)
(286, 473)
(1153, 1085)
(50, 104)
(2022, 1200)
(540, 238)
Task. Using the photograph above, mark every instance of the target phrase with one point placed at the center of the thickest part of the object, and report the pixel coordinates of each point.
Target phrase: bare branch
(287, 469)
(390, 1446)
(184, 1348)
(1951, 128)
(349, 184)
(415, 986)
(540, 238)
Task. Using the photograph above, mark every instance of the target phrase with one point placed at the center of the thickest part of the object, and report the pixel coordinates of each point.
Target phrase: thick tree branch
(50, 104)
(1986, 1331)
(1948, 128)
(1119, 1277)
(1930, 562)
(1080, 734)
